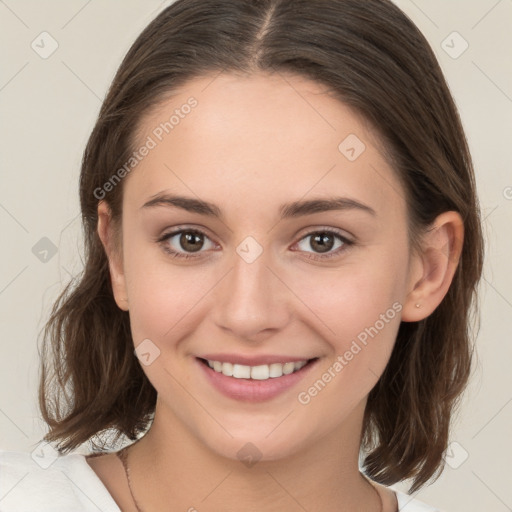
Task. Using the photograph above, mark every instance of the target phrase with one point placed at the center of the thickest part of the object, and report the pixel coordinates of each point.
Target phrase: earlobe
(434, 267)
(113, 253)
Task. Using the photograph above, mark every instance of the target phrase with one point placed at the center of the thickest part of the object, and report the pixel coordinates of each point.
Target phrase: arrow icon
(455, 455)
(147, 352)
(44, 45)
(44, 455)
(44, 250)
(249, 249)
(351, 147)
(454, 45)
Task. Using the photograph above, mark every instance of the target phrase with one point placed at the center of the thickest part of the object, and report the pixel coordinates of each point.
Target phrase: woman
(282, 248)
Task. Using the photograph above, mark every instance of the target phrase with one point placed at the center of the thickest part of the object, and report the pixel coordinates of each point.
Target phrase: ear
(433, 268)
(112, 244)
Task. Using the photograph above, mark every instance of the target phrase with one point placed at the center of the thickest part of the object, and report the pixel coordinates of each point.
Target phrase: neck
(169, 465)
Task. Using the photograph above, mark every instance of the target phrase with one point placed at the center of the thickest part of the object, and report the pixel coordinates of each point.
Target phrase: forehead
(273, 136)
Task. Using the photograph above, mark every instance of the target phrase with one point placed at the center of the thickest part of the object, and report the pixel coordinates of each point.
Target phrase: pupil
(191, 241)
(324, 242)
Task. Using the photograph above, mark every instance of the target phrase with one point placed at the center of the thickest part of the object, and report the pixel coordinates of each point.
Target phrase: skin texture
(252, 144)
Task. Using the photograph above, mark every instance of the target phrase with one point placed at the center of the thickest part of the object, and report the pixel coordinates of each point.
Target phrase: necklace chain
(123, 455)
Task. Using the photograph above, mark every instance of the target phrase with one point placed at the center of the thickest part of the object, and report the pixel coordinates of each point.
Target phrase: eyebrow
(286, 211)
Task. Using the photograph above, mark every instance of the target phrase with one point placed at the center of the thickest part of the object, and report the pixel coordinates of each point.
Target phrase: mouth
(255, 383)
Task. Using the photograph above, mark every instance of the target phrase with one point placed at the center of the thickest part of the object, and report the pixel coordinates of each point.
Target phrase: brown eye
(322, 242)
(191, 241)
(325, 244)
(184, 242)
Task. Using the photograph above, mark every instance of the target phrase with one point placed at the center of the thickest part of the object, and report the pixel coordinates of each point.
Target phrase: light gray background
(48, 108)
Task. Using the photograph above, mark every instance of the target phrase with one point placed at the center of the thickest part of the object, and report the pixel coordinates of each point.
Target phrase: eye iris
(191, 242)
(322, 242)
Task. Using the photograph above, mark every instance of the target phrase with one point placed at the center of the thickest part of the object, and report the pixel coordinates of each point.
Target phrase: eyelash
(175, 254)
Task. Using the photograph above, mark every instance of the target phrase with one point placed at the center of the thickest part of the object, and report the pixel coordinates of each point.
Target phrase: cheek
(359, 301)
(357, 311)
(162, 303)
(160, 292)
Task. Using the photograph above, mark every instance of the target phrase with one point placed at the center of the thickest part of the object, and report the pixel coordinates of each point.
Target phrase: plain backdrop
(48, 107)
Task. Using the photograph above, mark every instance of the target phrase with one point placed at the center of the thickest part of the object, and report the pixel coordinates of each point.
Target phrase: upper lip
(253, 360)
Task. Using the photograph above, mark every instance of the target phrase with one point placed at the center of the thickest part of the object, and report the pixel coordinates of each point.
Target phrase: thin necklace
(123, 455)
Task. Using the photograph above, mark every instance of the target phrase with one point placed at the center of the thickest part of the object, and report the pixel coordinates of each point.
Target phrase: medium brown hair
(376, 61)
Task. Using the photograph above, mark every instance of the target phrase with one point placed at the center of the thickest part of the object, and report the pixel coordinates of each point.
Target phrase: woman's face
(270, 273)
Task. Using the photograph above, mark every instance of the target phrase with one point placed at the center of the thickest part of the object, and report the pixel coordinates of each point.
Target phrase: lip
(248, 390)
(253, 360)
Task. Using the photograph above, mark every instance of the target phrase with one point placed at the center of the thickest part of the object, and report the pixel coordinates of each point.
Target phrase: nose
(252, 302)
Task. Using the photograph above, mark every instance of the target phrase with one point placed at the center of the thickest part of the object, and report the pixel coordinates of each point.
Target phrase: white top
(38, 481)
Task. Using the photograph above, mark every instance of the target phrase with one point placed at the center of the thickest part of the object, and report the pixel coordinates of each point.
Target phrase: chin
(251, 448)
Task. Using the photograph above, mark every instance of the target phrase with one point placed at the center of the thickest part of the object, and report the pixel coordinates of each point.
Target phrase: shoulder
(407, 503)
(42, 481)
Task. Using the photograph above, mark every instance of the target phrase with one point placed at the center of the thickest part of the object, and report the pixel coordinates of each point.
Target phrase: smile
(254, 383)
(260, 372)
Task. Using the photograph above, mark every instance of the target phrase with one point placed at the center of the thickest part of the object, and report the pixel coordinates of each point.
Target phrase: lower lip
(252, 390)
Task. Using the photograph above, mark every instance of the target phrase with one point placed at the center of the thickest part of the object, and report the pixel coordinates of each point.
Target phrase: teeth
(288, 368)
(227, 369)
(261, 372)
(241, 372)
